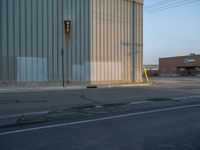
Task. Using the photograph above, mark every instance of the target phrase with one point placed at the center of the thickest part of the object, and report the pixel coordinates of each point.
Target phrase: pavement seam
(25, 114)
(99, 119)
(34, 116)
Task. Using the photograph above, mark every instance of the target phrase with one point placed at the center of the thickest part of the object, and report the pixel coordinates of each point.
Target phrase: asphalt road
(162, 116)
(57, 100)
(167, 128)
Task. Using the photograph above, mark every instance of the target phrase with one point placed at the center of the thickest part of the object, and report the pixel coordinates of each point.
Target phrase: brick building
(181, 65)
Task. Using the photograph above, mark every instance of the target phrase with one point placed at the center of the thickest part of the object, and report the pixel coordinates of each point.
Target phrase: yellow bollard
(146, 76)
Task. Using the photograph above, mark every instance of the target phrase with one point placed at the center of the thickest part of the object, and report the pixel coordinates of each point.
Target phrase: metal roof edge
(183, 56)
(137, 1)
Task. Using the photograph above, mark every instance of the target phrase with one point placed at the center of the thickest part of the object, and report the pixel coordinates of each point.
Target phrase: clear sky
(171, 32)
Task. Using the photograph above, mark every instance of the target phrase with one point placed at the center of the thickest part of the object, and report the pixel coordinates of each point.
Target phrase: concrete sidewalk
(14, 89)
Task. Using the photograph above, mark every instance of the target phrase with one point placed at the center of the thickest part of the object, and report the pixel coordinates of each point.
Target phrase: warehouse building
(152, 70)
(180, 66)
(75, 41)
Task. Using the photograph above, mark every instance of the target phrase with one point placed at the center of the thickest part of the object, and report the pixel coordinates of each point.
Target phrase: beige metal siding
(116, 50)
(110, 37)
(137, 41)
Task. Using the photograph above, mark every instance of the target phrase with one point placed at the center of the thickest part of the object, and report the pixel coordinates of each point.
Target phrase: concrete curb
(17, 90)
(132, 85)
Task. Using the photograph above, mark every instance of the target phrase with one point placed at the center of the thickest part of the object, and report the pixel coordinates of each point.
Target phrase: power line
(170, 6)
(166, 7)
(158, 4)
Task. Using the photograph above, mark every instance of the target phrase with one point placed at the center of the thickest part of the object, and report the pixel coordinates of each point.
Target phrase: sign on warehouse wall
(188, 60)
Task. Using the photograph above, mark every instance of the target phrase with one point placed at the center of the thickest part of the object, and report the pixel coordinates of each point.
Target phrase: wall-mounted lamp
(67, 26)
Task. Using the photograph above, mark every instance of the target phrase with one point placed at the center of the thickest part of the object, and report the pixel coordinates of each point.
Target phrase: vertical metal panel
(31, 64)
(68, 53)
(99, 48)
(60, 37)
(87, 39)
(45, 37)
(137, 25)
(78, 41)
(50, 40)
(10, 38)
(112, 60)
(1, 9)
(73, 37)
(31, 29)
(4, 41)
(55, 37)
(30, 75)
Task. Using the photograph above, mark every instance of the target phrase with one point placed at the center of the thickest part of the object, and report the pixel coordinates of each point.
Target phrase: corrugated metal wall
(78, 41)
(116, 41)
(33, 36)
(0, 38)
(99, 47)
(32, 30)
(137, 26)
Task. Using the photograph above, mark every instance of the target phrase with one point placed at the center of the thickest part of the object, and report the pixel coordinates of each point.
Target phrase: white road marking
(99, 119)
(98, 106)
(133, 103)
(186, 97)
